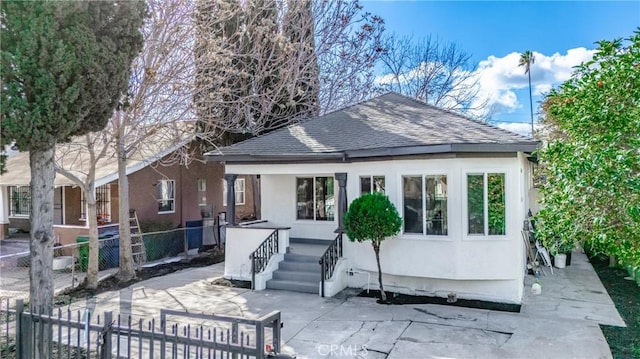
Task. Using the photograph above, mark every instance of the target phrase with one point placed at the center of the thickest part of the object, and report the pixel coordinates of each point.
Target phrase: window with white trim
(372, 184)
(315, 198)
(486, 205)
(202, 191)
(239, 189)
(425, 208)
(166, 195)
(20, 201)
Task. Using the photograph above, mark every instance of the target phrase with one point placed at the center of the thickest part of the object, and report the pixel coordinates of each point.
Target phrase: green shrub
(372, 217)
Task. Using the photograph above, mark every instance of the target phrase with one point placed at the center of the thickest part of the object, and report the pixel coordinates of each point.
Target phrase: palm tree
(526, 59)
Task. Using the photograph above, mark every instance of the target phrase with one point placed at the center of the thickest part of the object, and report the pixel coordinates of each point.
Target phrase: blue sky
(561, 35)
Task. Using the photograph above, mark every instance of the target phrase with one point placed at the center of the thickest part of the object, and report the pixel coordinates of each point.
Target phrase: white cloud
(522, 128)
(542, 89)
(500, 76)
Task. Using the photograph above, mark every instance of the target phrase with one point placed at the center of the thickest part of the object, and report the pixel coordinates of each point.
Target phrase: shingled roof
(387, 125)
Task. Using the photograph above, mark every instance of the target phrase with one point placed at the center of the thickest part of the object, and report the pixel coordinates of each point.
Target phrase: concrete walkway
(560, 323)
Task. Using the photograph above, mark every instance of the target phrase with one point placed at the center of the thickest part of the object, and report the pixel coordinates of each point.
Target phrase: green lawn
(624, 342)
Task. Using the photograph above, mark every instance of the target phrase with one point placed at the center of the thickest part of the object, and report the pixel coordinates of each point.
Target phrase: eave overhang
(349, 155)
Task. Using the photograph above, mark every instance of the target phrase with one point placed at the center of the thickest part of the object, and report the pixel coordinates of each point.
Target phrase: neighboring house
(170, 195)
(460, 185)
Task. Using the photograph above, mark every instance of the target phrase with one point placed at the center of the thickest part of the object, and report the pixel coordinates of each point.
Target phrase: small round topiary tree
(372, 217)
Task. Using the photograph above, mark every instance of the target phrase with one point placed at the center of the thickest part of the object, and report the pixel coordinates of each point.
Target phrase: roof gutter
(344, 156)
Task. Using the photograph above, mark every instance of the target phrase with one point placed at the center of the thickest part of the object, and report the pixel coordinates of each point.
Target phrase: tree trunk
(376, 248)
(126, 270)
(531, 103)
(91, 280)
(41, 245)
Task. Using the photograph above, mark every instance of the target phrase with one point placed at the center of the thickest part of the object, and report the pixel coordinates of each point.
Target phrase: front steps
(300, 269)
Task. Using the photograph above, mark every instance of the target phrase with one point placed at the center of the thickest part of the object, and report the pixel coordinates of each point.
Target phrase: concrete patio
(562, 322)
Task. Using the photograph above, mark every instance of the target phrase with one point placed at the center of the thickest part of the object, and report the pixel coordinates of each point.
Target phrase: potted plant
(561, 250)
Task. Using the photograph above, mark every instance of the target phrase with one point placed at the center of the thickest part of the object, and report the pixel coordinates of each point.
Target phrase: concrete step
(293, 286)
(297, 276)
(316, 241)
(313, 267)
(295, 257)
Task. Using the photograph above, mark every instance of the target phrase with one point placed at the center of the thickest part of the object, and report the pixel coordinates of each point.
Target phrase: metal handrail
(329, 260)
(261, 256)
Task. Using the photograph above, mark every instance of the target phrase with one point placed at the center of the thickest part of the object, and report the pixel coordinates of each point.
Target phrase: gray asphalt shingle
(387, 121)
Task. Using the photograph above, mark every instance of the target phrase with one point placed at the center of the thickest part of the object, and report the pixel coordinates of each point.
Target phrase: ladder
(138, 251)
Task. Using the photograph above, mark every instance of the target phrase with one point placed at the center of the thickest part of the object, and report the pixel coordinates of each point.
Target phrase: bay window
(425, 204)
(486, 205)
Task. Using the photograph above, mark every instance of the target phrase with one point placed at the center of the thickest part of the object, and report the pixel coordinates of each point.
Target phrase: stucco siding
(279, 207)
(475, 266)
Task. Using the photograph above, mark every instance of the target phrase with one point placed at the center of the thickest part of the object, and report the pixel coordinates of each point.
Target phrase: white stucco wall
(241, 242)
(339, 280)
(278, 205)
(480, 267)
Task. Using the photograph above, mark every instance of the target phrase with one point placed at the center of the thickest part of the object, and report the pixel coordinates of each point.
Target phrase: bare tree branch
(440, 74)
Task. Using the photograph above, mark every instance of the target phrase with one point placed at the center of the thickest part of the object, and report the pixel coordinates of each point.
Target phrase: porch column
(231, 198)
(4, 212)
(342, 199)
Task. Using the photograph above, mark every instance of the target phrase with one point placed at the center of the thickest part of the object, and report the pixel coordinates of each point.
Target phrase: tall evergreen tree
(259, 63)
(65, 68)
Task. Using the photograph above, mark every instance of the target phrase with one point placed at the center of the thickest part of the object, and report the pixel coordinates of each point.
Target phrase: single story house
(461, 186)
(167, 195)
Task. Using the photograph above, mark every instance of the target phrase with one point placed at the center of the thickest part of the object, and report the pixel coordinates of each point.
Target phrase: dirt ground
(203, 259)
(624, 342)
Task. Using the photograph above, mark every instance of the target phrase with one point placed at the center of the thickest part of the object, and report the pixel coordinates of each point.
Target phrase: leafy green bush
(372, 217)
(591, 159)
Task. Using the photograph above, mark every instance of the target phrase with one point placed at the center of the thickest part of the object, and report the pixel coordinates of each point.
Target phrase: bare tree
(158, 108)
(78, 160)
(440, 74)
(265, 64)
(349, 43)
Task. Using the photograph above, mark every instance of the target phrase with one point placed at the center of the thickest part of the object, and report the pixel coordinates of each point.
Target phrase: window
(486, 205)
(371, 184)
(202, 185)
(103, 204)
(165, 193)
(425, 206)
(20, 200)
(315, 198)
(239, 189)
(202, 191)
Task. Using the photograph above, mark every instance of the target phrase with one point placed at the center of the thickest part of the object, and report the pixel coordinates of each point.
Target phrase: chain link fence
(70, 262)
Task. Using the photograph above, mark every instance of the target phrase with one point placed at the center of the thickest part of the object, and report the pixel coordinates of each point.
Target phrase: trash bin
(110, 253)
(194, 234)
(83, 253)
